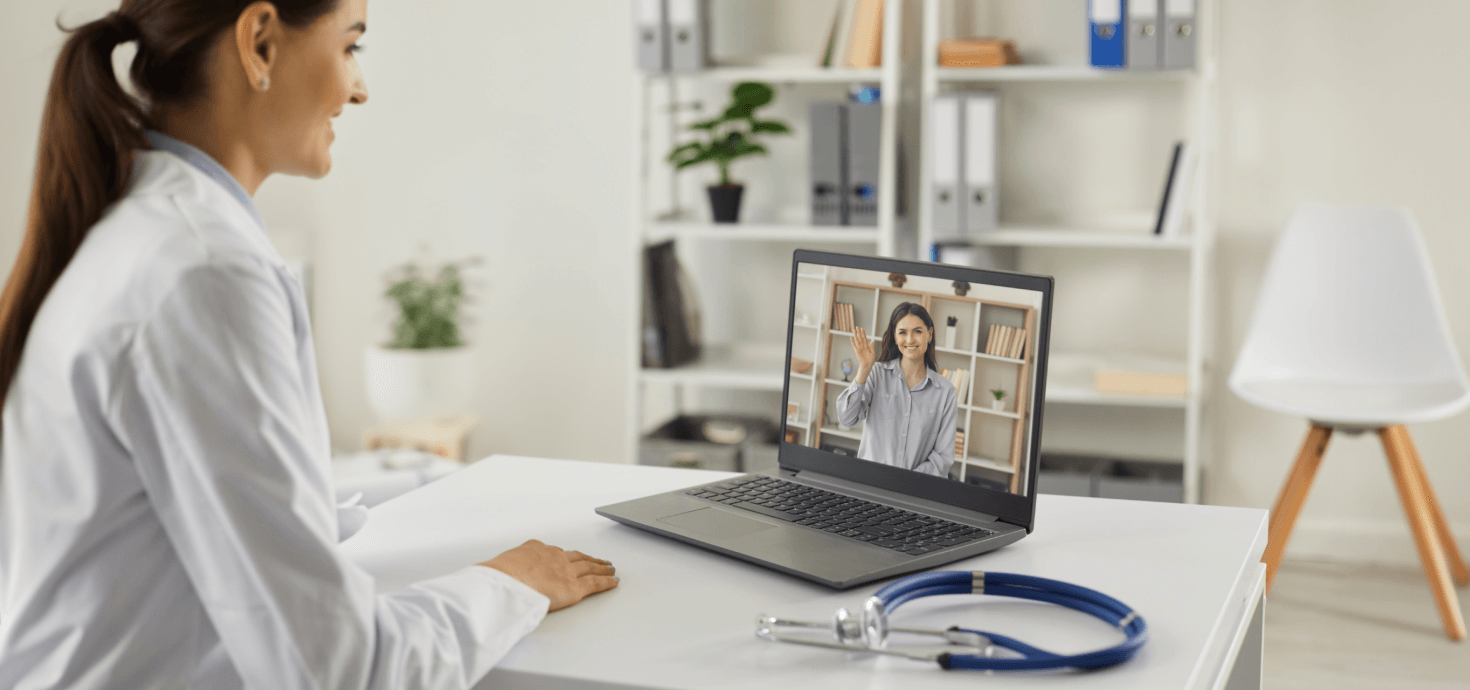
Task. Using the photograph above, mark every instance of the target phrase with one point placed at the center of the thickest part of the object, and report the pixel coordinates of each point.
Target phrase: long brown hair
(889, 349)
(91, 127)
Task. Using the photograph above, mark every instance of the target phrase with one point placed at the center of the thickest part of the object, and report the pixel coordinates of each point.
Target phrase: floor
(1337, 626)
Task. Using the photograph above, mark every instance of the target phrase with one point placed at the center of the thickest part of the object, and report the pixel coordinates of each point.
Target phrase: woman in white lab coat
(165, 510)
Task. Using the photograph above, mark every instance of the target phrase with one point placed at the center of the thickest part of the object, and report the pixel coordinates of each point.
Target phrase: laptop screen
(925, 368)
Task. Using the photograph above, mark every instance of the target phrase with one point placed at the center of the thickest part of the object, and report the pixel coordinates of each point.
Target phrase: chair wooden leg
(1293, 494)
(1411, 492)
(1441, 526)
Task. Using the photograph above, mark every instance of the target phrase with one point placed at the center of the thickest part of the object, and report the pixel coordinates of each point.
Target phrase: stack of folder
(1155, 35)
(672, 35)
(844, 163)
(963, 172)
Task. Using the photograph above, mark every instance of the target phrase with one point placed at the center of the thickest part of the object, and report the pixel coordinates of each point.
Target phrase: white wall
(1351, 102)
(503, 129)
(498, 129)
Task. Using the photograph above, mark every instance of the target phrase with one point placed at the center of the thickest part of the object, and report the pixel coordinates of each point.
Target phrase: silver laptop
(925, 455)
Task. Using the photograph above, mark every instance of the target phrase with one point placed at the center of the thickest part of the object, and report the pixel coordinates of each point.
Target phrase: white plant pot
(998, 405)
(411, 385)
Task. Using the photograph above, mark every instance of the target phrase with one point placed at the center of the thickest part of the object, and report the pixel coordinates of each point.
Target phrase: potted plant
(426, 370)
(999, 403)
(730, 138)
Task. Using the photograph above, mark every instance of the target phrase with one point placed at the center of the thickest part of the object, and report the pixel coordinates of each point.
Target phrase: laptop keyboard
(891, 528)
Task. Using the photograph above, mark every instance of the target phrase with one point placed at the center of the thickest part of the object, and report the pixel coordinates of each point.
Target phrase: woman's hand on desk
(565, 577)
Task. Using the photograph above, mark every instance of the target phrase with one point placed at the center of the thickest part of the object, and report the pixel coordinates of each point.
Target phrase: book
(1170, 220)
(977, 52)
(842, 33)
(992, 342)
(1133, 375)
(1018, 349)
(867, 35)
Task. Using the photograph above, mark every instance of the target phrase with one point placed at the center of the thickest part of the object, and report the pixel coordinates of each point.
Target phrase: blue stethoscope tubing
(1072, 596)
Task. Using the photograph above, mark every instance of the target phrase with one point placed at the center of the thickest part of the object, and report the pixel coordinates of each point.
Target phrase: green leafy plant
(428, 310)
(999, 394)
(730, 134)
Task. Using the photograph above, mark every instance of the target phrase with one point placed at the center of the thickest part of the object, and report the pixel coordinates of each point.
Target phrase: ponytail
(89, 130)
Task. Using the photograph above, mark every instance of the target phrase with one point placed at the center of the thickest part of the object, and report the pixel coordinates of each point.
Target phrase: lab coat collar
(207, 165)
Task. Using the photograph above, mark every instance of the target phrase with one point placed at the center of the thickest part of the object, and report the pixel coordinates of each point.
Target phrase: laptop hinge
(893, 498)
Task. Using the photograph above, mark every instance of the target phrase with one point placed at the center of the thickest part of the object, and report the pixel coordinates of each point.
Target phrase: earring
(265, 83)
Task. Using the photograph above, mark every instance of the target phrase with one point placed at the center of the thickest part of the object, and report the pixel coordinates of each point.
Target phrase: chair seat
(1357, 404)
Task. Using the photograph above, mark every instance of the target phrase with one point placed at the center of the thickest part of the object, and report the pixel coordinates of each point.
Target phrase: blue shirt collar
(208, 166)
(929, 374)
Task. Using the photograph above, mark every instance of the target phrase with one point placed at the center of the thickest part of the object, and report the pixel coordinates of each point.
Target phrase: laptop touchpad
(716, 523)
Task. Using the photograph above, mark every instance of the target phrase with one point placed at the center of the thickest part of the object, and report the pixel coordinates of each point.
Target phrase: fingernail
(617, 579)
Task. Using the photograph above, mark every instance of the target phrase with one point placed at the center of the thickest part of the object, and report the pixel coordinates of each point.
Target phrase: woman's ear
(257, 35)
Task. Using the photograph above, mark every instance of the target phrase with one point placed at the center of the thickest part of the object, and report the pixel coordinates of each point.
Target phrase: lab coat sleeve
(942, 456)
(214, 409)
(852, 404)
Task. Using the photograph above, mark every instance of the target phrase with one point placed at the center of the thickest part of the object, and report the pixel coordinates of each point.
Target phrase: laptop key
(769, 512)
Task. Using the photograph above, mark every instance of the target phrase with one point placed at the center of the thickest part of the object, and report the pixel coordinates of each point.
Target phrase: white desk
(684, 617)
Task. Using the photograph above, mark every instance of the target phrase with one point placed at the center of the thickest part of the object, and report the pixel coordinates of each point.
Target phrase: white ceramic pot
(998, 405)
(411, 385)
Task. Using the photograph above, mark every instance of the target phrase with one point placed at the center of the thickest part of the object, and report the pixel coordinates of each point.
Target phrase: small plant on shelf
(730, 138)
(1000, 397)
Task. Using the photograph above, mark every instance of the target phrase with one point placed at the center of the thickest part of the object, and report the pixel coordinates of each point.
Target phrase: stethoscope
(870, 633)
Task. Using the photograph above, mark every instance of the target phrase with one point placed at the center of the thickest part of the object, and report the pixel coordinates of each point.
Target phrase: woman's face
(912, 338)
(315, 77)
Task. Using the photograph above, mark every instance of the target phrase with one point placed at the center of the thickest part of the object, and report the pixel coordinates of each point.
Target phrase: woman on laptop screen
(908, 406)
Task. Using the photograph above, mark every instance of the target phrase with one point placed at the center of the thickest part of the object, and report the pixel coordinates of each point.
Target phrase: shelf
(745, 366)
(873, 338)
(803, 425)
(854, 434)
(658, 231)
(788, 75)
(1080, 395)
(982, 355)
(988, 464)
(808, 377)
(838, 382)
(1053, 73)
(1020, 236)
(799, 324)
(811, 276)
(1070, 381)
(986, 410)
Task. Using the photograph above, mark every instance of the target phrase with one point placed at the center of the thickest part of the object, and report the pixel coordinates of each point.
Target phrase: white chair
(1349, 332)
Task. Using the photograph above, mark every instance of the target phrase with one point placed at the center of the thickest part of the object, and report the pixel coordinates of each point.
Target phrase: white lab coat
(166, 518)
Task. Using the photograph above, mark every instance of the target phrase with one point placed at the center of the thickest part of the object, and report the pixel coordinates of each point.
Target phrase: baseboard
(1362, 541)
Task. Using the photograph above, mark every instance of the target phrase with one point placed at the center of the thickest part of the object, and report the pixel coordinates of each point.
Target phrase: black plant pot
(724, 202)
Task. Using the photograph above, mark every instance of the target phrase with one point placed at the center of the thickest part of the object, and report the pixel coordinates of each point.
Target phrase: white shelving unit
(731, 359)
(1194, 91)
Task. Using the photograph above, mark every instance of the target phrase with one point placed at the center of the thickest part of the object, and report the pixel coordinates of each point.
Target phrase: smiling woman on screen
(166, 518)
(909, 408)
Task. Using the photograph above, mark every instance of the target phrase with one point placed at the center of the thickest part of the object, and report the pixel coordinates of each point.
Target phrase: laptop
(894, 467)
